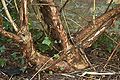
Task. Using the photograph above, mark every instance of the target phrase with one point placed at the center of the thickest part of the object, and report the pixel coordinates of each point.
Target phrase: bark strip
(72, 58)
(84, 35)
(51, 17)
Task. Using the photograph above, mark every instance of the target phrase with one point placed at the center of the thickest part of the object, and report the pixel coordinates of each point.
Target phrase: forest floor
(15, 70)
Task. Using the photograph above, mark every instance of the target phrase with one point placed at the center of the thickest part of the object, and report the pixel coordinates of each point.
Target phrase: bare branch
(8, 15)
(10, 35)
(16, 6)
(113, 53)
(92, 30)
(64, 5)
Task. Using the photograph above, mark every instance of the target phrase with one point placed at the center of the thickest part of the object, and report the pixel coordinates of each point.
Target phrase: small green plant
(5, 40)
(14, 56)
(2, 49)
(116, 29)
(105, 43)
(2, 62)
(50, 72)
(23, 69)
(62, 68)
(47, 41)
(56, 56)
(45, 45)
(17, 57)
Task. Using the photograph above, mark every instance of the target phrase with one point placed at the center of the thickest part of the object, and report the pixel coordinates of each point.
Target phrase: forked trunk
(71, 57)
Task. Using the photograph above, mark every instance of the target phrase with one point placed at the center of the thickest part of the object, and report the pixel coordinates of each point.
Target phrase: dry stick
(85, 57)
(64, 5)
(10, 78)
(9, 16)
(96, 73)
(59, 59)
(66, 23)
(83, 53)
(111, 55)
(80, 49)
(81, 16)
(16, 6)
(38, 16)
(109, 6)
(68, 75)
(80, 26)
(111, 38)
(94, 11)
(41, 68)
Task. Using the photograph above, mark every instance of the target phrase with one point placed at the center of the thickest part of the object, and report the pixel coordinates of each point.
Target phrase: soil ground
(97, 57)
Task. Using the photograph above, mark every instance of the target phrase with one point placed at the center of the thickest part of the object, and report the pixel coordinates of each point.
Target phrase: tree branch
(83, 37)
(9, 17)
(10, 35)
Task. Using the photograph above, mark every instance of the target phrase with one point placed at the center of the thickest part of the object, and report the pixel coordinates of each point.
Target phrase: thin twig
(64, 5)
(58, 60)
(41, 68)
(94, 11)
(68, 75)
(85, 57)
(96, 73)
(11, 78)
(111, 38)
(111, 55)
(66, 23)
(108, 6)
(80, 49)
(9, 16)
(16, 6)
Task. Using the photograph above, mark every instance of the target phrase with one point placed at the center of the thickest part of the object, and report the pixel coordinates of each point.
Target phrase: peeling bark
(52, 19)
(10, 35)
(83, 37)
(70, 59)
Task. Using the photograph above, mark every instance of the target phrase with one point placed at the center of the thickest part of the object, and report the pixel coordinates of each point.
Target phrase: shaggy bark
(51, 16)
(72, 59)
(89, 34)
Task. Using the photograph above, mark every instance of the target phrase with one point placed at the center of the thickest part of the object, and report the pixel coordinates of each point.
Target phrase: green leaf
(110, 47)
(2, 62)
(14, 55)
(62, 68)
(56, 56)
(43, 47)
(23, 69)
(9, 40)
(46, 41)
(2, 49)
(50, 72)
(21, 60)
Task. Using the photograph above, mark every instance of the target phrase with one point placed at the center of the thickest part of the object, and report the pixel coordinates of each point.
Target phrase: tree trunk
(51, 16)
(71, 57)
